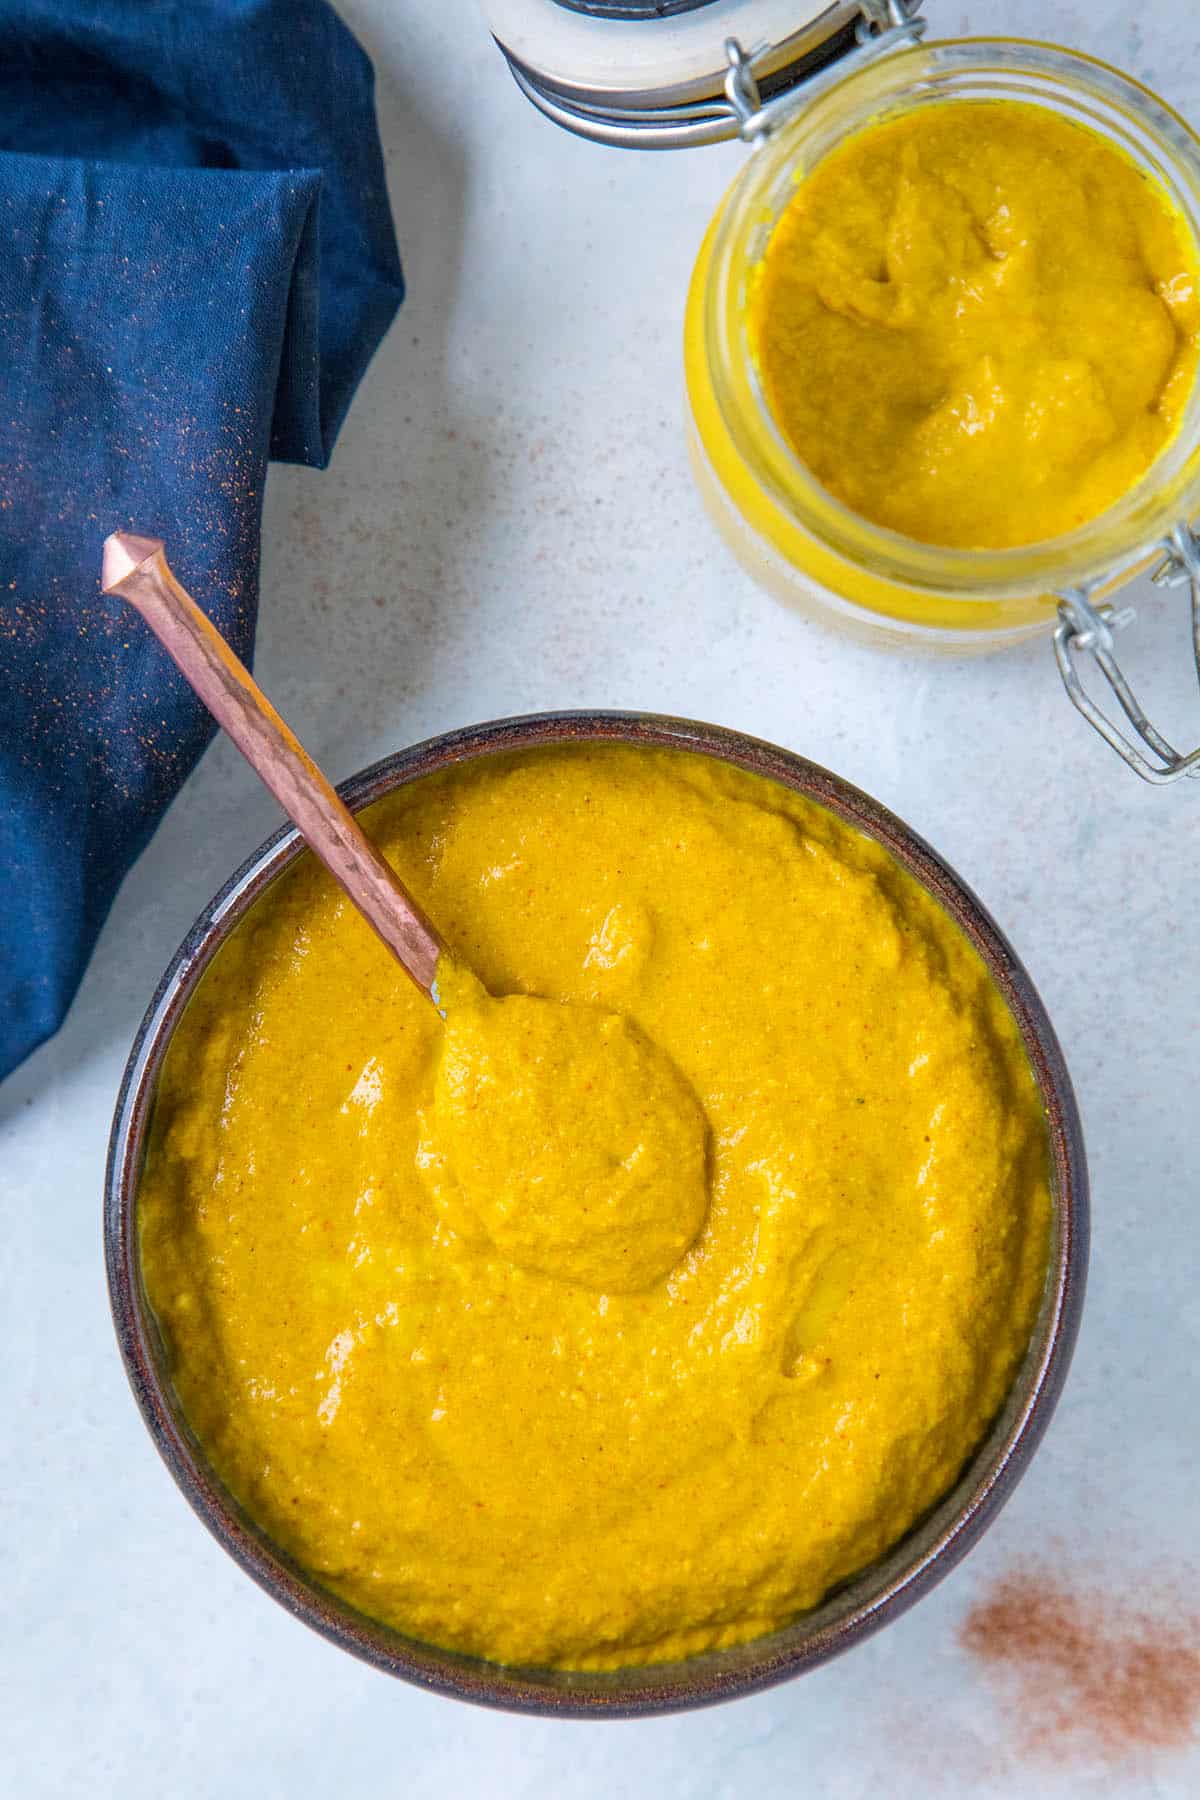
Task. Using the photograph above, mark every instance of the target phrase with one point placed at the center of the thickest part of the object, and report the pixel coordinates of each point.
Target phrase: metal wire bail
(741, 87)
(1087, 630)
(883, 18)
(883, 26)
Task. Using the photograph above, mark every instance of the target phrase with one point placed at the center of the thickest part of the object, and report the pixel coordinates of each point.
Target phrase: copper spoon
(136, 569)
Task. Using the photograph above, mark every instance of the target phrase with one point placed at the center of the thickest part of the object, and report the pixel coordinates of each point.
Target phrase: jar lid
(664, 74)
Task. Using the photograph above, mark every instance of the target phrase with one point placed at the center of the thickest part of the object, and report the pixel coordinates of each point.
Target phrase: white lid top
(647, 56)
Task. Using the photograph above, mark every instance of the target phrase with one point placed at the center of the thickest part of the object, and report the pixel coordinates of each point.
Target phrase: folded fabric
(198, 264)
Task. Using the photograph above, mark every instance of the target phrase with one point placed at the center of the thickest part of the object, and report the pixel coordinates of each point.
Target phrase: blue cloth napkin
(197, 262)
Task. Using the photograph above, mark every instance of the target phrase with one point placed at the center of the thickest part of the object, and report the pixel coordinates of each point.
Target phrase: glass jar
(792, 535)
(668, 74)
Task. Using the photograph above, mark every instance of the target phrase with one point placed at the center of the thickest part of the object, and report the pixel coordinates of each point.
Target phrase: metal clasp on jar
(738, 111)
(1084, 629)
(885, 25)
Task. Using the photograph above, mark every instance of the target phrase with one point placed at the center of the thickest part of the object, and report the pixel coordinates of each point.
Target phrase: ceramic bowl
(856, 1609)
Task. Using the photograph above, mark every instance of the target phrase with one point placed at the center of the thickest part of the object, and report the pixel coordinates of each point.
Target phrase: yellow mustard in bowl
(414, 1387)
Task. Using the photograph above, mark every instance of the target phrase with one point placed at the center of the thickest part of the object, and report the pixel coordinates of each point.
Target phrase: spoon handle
(136, 569)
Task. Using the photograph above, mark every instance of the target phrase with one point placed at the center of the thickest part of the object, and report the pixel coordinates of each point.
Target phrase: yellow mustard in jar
(477, 1416)
(977, 324)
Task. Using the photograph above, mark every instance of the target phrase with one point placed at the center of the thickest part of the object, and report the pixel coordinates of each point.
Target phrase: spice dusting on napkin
(199, 263)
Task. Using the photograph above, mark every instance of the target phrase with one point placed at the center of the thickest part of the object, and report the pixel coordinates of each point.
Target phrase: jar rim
(1104, 550)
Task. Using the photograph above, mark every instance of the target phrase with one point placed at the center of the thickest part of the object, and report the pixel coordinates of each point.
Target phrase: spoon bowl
(595, 1147)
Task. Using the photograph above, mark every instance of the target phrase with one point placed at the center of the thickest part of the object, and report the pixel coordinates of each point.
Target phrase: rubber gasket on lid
(632, 9)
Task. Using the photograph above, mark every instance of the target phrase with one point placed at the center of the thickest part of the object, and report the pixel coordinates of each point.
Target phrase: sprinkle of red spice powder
(1085, 1674)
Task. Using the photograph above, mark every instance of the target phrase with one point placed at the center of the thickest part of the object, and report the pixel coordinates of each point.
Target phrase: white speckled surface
(509, 525)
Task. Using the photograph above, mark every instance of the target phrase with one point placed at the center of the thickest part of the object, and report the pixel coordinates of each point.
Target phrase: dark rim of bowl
(860, 1606)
